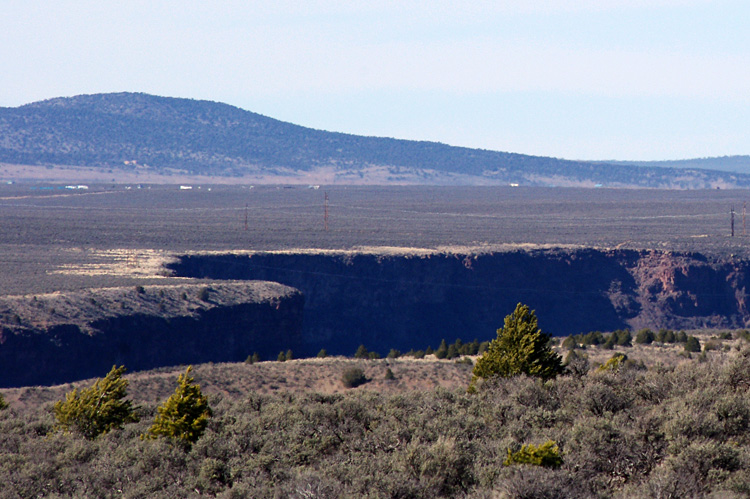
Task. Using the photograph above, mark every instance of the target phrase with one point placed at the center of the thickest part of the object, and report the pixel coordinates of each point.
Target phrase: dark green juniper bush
(353, 377)
(692, 344)
(98, 409)
(520, 348)
(184, 416)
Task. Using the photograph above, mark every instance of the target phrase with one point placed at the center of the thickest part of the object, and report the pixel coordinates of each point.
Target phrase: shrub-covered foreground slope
(663, 432)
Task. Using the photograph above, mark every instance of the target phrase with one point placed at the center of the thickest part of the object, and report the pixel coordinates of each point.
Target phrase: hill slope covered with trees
(129, 131)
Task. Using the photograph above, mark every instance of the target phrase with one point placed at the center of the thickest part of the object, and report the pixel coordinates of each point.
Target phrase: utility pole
(245, 216)
(325, 213)
(732, 220)
(744, 212)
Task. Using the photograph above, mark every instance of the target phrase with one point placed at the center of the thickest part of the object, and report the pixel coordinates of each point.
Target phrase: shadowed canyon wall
(65, 337)
(339, 300)
(411, 301)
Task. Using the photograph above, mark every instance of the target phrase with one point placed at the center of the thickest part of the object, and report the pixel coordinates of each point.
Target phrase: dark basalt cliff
(57, 338)
(411, 301)
(383, 299)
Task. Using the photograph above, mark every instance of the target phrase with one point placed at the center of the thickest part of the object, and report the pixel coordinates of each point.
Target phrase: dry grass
(665, 354)
(237, 380)
(120, 262)
(86, 307)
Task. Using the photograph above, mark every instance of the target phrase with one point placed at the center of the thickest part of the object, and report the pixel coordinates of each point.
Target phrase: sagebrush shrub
(533, 482)
(577, 363)
(677, 431)
(601, 399)
(442, 469)
(214, 476)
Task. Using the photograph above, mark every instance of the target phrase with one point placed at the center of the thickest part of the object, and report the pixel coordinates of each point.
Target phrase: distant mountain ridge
(165, 135)
(737, 164)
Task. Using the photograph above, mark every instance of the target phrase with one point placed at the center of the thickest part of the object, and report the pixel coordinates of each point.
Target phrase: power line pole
(744, 212)
(732, 220)
(245, 216)
(325, 213)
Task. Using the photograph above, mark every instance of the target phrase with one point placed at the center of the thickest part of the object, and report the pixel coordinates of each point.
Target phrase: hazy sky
(588, 79)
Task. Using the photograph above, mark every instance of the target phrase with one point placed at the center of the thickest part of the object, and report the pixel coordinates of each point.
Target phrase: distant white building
(186, 187)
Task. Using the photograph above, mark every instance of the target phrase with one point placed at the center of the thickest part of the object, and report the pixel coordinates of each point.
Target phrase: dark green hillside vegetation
(663, 432)
(621, 337)
(739, 164)
(130, 131)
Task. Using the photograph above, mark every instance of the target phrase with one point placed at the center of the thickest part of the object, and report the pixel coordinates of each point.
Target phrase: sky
(586, 79)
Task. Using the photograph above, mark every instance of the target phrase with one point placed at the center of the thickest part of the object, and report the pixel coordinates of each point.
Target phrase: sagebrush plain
(666, 424)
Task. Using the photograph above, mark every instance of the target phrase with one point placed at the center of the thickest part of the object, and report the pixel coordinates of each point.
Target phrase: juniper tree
(442, 350)
(520, 348)
(362, 353)
(98, 409)
(184, 415)
(624, 338)
(644, 337)
(692, 344)
(352, 377)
